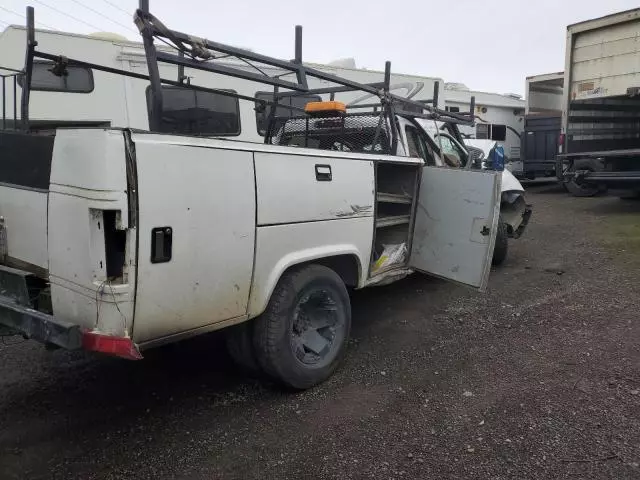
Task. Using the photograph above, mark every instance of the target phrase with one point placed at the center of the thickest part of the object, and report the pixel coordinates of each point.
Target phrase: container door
(456, 224)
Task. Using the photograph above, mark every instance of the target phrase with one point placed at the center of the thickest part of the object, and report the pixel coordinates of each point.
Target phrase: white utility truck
(115, 240)
(600, 139)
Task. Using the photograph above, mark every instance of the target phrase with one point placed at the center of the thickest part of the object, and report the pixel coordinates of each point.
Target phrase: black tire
(279, 331)
(239, 340)
(502, 244)
(584, 190)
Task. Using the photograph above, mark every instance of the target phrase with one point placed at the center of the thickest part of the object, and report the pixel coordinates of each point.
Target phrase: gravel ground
(538, 378)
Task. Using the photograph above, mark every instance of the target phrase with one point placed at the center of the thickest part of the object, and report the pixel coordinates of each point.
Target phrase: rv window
(282, 112)
(411, 108)
(76, 80)
(452, 109)
(193, 112)
(491, 131)
(482, 131)
(498, 132)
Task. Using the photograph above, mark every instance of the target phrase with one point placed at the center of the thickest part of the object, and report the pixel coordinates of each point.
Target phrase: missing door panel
(115, 242)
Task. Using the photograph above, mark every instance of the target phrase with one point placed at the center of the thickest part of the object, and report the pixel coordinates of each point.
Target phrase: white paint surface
(453, 208)
(603, 56)
(288, 190)
(25, 215)
(281, 246)
(88, 175)
(207, 197)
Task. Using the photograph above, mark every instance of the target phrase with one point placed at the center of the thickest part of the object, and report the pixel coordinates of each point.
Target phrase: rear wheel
(239, 341)
(302, 336)
(583, 189)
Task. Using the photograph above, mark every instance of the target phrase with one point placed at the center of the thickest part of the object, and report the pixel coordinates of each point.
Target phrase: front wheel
(502, 244)
(302, 336)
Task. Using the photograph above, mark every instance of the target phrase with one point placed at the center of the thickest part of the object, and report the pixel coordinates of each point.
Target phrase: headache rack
(288, 78)
(352, 132)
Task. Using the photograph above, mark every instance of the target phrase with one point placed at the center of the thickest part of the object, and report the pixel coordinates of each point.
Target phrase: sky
(489, 45)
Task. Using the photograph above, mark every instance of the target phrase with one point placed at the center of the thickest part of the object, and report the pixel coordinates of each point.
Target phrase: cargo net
(362, 133)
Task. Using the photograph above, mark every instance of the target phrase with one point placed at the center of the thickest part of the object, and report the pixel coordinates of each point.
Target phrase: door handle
(323, 173)
(161, 243)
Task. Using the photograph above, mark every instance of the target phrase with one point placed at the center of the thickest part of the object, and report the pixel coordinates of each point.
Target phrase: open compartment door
(456, 224)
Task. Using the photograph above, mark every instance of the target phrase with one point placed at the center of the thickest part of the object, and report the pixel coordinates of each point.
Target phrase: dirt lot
(538, 378)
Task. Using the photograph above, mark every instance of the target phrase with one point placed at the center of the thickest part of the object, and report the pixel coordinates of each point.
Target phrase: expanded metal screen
(364, 133)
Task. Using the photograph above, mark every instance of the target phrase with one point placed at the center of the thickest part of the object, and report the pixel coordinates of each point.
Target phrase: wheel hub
(314, 327)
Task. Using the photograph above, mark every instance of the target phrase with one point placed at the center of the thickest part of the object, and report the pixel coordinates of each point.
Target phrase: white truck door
(196, 234)
(456, 224)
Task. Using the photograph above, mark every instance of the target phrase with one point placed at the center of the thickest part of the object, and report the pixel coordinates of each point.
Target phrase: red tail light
(118, 346)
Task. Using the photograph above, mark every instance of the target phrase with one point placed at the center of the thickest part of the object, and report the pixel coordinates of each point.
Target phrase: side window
(75, 80)
(482, 131)
(491, 131)
(192, 112)
(498, 132)
(417, 147)
(412, 142)
(452, 155)
(262, 115)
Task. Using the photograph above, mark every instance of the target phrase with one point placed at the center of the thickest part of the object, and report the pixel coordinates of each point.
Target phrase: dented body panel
(279, 247)
(88, 178)
(312, 188)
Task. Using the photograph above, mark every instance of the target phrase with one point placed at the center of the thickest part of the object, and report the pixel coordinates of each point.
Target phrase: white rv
(122, 102)
(498, 118)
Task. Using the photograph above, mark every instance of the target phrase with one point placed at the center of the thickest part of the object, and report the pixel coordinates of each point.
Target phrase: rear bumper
(17, 315)
(25, 321)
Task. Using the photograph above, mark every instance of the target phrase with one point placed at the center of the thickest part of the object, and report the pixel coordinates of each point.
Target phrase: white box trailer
(601, 109)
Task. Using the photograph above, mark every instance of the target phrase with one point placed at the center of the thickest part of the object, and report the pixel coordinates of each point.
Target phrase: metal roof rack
(202, 54)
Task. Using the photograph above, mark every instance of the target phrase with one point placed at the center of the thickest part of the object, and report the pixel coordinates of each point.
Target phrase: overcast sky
(489, 45)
